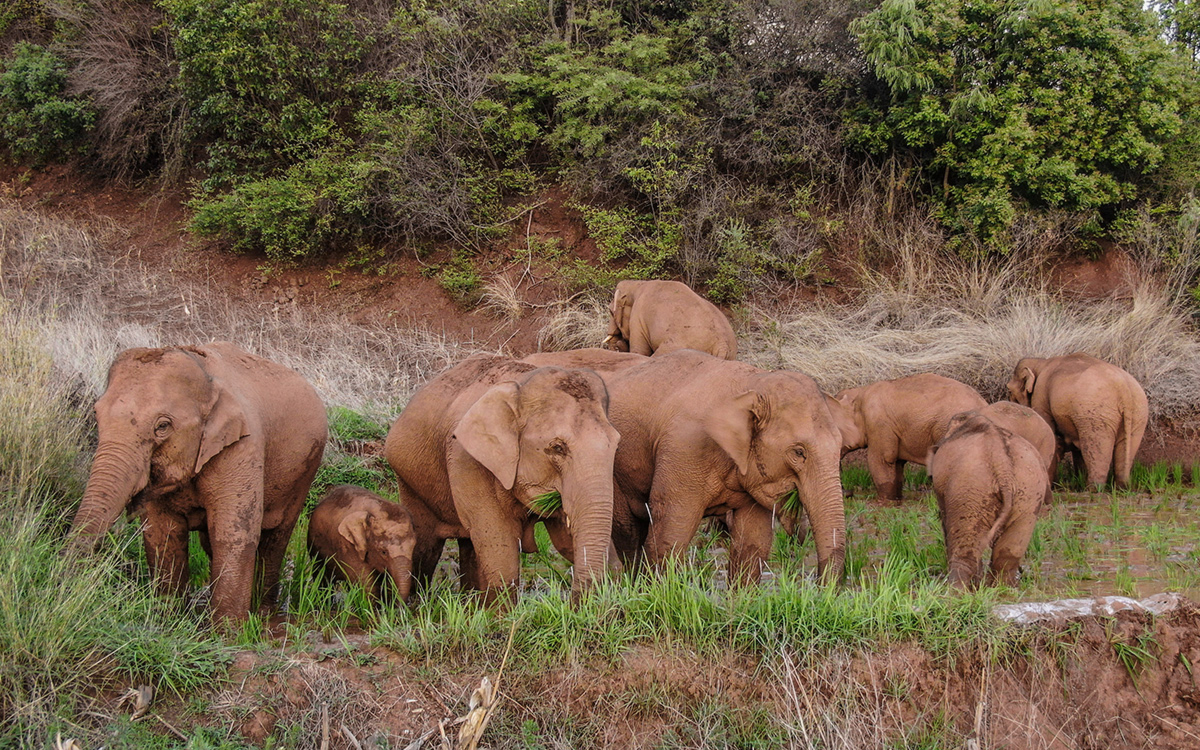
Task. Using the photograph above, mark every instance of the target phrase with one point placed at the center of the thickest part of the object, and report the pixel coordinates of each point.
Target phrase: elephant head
(781, 436)
(161, 419)
(618, 310)
(382, 543)
(1020, 387)
(549, 432)
(847, 419)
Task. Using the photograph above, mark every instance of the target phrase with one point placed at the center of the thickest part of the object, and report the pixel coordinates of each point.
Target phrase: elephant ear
(353, 528)
(619, 309)
(224, 425)
(490, 433)
(731, 425)
(1030, 377)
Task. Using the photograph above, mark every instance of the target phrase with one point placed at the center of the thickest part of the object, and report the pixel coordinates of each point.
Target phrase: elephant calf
(358, 536)
(662, 316)
(989, 484)
(898, 421)
(1097, 410)
(1023, 421)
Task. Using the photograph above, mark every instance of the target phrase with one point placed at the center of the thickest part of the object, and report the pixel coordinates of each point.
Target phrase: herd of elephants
(620, 452)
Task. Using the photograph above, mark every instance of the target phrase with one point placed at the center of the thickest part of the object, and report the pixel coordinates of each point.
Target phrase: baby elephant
(359, 536)
(989, 484)
(649, 317)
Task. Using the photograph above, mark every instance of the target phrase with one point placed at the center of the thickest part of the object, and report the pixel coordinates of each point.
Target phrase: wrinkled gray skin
(897, 421)
(1026, 422)
(648, 317)
(358, 536)
(479, 443)
(1098, 411)
(702, 436)
(989, 484)
(210, 439)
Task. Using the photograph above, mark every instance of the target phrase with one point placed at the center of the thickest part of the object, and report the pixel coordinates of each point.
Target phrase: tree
(1059, 103)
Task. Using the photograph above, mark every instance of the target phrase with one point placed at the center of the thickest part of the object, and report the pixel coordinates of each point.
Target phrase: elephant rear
(990, 484)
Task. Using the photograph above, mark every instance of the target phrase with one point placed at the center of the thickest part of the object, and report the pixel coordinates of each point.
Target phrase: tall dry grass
(972, 321)
(90, 305)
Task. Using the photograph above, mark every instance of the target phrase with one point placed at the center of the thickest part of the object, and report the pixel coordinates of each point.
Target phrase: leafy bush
(310, 208)
(269, 81)
(1059, 104)
(37, 121)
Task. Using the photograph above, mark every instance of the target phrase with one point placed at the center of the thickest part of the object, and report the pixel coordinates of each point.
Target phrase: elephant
(356, 535)
(989, 483)
(703, 436)
(1023, 421)
(1097, 410)
(897, 421)
(477, 451)
(207, 438)
(662, 316)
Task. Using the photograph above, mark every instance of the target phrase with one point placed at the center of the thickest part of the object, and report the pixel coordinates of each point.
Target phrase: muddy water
(1134, 544)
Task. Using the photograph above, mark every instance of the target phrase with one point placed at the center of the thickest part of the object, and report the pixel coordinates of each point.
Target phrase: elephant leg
(233, 498)
(165, 537)
(751, 534)
(887, 473)
(1077, 460)
(429, 543)
(629, 530)
(639, 342)
(272, 546)
(468, 567)
(675, 513)
(1009, 548)
(489, 514)
(1097, 457)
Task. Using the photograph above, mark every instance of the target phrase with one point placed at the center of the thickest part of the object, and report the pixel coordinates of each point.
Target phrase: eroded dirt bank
(1125, 681)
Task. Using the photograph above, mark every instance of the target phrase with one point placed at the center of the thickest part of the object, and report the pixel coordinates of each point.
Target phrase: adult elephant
(703, 436)
(207, 438)
(477, 450)
(662, 316)
(898, 421)
(1097, 410)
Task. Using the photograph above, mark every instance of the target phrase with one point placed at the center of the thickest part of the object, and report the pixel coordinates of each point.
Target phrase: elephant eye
(799, 452)
(557, 448)
(162, 426)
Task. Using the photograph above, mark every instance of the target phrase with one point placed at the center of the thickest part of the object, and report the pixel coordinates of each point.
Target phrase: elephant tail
(1008, 490)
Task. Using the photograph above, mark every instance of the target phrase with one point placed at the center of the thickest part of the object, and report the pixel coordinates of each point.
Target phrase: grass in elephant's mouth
(546, 504)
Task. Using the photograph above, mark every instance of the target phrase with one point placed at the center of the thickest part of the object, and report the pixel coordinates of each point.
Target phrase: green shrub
(37, 121)
(313, 207)
(269, 81)
(1064, 105)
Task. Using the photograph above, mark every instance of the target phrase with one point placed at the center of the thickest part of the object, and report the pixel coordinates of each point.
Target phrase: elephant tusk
(607, 339)
(520, 547)
(648, 516)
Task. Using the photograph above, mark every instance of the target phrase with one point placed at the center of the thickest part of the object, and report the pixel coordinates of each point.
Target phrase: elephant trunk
(822, 499)
(399, 569)
(118, 473)
(588, 504)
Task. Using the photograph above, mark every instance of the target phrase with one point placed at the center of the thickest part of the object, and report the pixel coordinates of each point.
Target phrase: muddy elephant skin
(358, 536)
(706, 437)
(207, 438)
(1098, 411)
(663, 316)
(481, 443)
(989, 484)
(1025, 422)
(898, 421)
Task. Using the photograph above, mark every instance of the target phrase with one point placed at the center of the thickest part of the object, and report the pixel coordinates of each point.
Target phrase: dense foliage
(730, 142)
